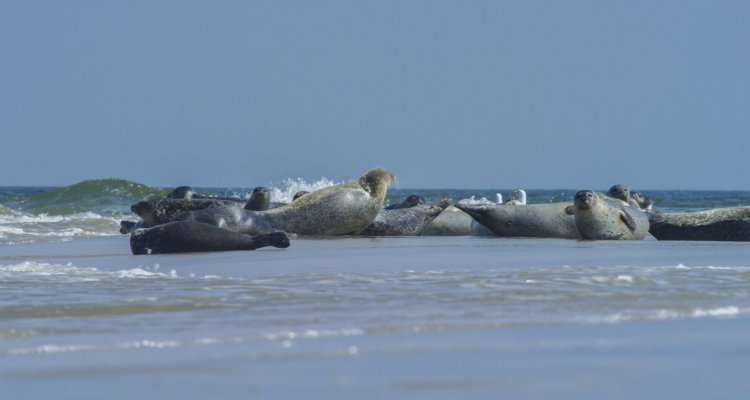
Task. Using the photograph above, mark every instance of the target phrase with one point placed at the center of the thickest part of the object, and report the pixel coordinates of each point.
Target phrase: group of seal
(185, 221)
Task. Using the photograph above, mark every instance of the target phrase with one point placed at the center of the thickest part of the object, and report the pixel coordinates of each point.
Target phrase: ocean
(365, 318)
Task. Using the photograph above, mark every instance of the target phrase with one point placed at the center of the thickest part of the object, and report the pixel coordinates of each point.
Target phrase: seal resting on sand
(543, 220)
(344, 209)
(409, 221)
(720, 224)
(191, 236)
(600, 217)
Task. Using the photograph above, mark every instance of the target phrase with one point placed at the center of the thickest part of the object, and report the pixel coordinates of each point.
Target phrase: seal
(635, 199)
(191, 236)
(600, 217)
(517, 198)
(620, 192)
(260, 199)
(451, 222)
(719, 224)
(409, 221)
(410, 201)
(181, 192)
(344, 209)
(543, 220)
(644, 202)
(232, 218)
(156, 210)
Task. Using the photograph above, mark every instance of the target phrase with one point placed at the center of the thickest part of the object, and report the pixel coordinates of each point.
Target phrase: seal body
(156, 210)
(451, 222)
(344, 209)
(191, 236)
(260, 199)
(408, 221)
(600, 217)
(544, 220)
(232, 218)
(720, 224)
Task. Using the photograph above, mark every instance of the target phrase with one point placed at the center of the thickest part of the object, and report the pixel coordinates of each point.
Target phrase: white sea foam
(290, 186)
(70, 273)
(474, 201)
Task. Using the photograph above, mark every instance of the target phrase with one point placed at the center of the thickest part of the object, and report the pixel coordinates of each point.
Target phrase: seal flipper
(570, 210)
(628, 220)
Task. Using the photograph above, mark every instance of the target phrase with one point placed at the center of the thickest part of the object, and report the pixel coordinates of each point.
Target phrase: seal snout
(584, 199)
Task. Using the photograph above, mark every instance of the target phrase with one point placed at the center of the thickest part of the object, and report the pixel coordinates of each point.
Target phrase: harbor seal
(600, 217)
(232, 218)
(517, 198)
(344, 209)
(720, 224)
(644, 202)
(191, 236)
(544, 220)
(260, 199)
(409, 221)
(156, 210)
(410, 201)
(635, 199)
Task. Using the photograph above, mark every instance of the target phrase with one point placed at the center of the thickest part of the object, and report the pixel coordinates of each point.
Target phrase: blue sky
(446, 94)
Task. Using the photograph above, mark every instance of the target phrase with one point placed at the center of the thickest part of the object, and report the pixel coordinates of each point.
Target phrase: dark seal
(232, 218)
(720, 224)
(191, 237)
(260, 199)
(156, 210)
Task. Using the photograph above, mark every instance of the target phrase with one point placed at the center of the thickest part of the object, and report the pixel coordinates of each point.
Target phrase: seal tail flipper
(628, 220)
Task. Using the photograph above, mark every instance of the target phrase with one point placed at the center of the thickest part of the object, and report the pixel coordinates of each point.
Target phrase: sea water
(423, 317)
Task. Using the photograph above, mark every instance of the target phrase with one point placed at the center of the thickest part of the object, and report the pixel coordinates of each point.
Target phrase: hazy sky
(446, 94)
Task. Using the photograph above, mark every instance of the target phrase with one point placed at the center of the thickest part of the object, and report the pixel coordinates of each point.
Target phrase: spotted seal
(543, 220)
(344, 209)
(260, 199)
(191, 236)
(720, 224)
(644, 202)
(601, 217)
(408, 221)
